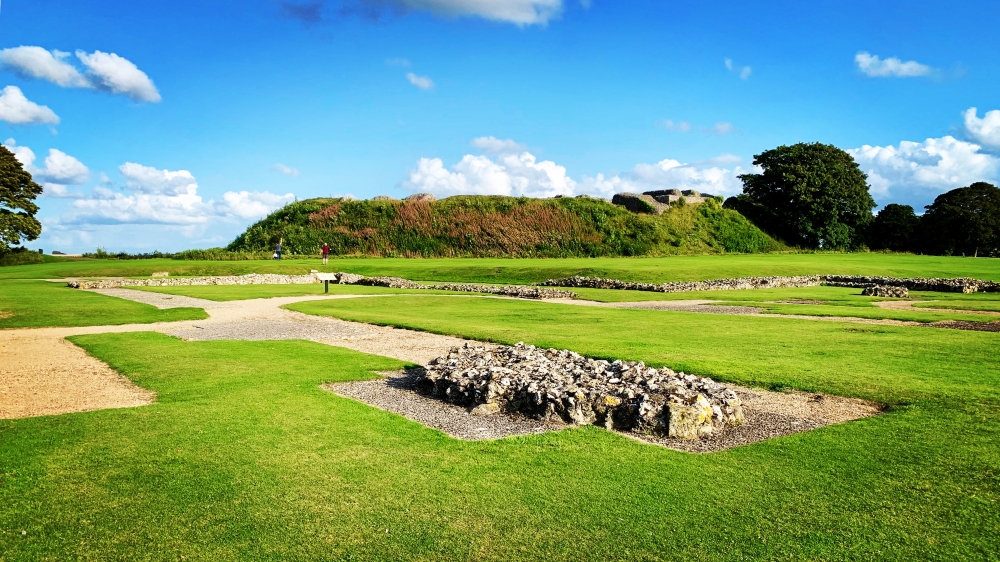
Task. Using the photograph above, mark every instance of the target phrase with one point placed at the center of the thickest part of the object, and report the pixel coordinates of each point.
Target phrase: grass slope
(498, 270)
(35, 304)
(501, 226)
(243, 457)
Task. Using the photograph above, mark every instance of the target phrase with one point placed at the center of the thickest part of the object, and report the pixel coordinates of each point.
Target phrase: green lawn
(817, 301)
(241, 292)
(34, 304)
(886, 363)
(676, 268)
(243, 457)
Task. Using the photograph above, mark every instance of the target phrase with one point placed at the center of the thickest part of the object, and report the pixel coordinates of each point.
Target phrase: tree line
(814, 195)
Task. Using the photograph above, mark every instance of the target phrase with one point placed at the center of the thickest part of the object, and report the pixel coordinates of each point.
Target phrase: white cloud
(512, 170)
(720, 128)
(36, 62)
(918, 171)
(872, 65)
(493, 145)
(422, 82)
(60, 168)
(166, 197)
(110, 72)
(149, 180)
(986, 130)
(519, 12)
(59, 191)
(19, 110)
(744, 72)
(103, 71)
(292, 172)
(679, 126)
(252, 205)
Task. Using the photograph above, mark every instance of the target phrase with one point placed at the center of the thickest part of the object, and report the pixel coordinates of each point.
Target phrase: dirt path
(43, 374)
(912, 306)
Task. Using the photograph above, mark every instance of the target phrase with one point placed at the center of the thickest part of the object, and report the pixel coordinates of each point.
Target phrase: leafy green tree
(811, 195)
(895, 228)
(17, 207)
(964, 221)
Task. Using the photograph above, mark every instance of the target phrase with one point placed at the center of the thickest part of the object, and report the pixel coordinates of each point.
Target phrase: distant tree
(964, 221)
(17, 207)
(809, 194)
(895, 228)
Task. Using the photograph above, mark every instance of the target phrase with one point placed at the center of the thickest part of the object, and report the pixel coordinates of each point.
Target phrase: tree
(17, 207)
(811, 195)
(895, 228)
(964, 221)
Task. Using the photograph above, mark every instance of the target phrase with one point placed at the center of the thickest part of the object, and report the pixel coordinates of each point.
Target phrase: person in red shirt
(324, 251)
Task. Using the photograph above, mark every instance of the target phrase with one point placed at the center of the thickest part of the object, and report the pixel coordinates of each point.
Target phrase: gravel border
(396, 393)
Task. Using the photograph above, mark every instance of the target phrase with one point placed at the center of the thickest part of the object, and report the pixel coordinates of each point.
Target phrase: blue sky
(174, 125)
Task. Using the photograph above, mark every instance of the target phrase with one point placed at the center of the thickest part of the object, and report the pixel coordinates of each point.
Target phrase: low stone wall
(681, 286)
(250, 279)
(562, 385)
(519, 291)
(956, 285)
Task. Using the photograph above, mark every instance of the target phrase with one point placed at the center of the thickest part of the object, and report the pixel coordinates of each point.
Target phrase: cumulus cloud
(165, 197)
(118, 75)
(19, 110)
(915, 172)
(59, 170)
(36, 62)
(102, 71)
(251, 204)
(508, 168)
(986, 130)
(422, 82)
(291, 172)
(743, 72)
(872, 65)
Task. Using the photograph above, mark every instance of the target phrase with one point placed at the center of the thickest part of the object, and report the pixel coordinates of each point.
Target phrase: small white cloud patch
(290, 172)
(16, 109)
(678, 126)
(422, 82)
(892, 67)
(743, 72)
(36, 62)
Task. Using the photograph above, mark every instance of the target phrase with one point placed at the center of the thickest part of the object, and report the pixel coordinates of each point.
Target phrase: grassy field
(243, 457)
(34, 304)
(676, 268)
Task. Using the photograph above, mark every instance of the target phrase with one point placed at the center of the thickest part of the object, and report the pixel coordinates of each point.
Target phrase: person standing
(324, 251)
(277, 249)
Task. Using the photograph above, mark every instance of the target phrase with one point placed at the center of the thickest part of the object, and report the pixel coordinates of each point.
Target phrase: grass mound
(492, 226)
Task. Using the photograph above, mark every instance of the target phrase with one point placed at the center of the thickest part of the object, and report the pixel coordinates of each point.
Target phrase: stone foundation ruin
(886, 291)
(550, 384)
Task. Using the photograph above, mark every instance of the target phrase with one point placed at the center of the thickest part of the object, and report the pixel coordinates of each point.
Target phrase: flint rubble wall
(553, 384)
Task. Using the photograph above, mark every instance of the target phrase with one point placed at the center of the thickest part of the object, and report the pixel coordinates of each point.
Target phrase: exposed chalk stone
(886, 291)
(562, 385)
(639, 203)
(955, 285)
(160, 274)
(426, 197)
